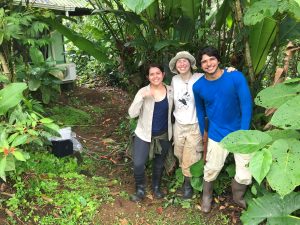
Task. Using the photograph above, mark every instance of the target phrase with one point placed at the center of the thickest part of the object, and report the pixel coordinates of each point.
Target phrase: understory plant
(20, 126)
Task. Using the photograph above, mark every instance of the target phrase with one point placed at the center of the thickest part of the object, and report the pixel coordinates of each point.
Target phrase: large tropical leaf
(276, 95)
(261, 37)
(284, 174)
(11, 96)
(282, 134)
(197, 168)
(288, 115)
(166, 43)
(260, 10)
(272, 207)
(223, 13)
(36, 56)
(260, 164)
(191, 9)
(289, 30)
(130, 17)
(81, 42)
(245, 141)
(2, 168)
(137, 6)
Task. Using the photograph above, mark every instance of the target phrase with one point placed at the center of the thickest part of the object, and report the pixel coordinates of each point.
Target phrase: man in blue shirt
(225, 99)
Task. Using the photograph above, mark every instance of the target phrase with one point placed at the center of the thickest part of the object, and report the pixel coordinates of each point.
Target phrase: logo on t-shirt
(184, 100)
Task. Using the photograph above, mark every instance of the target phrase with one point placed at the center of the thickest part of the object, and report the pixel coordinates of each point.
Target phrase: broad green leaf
(166, 43)
(260, 164)
(282, 134)
(287, 116)
(245, 141)
(52, 126)
(197, 168)
(57, 73)
(10, 163)
(261, 37)
(275, 96)
(191, 9)
(273, 208)
(298, 67)
(12, 137)
(34, 84)
(197, 183)
(77, 39)
(20, 140)
(284, 174)
(10, 96)
(36, 56)
(182, 32)
(129, 17)
(293, 80)
(289, 30)
(46, 94)
(259, 10)
(2, 168)
(137, 6)
(294, 9)
(222, 14)
(19, 155)
(179, 175)
(46, 120)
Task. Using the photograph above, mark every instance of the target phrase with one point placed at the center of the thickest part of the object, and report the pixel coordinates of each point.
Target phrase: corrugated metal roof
(63, 5)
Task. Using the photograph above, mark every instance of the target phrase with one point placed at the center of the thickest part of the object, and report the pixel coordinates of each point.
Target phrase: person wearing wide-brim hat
(187, 137)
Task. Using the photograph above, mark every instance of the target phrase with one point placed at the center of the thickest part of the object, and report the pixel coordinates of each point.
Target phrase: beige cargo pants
(187, 145)
(215, 158)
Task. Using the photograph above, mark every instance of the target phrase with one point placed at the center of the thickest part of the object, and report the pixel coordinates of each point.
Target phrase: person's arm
(200, 109)
(245, 101)
(136, 106)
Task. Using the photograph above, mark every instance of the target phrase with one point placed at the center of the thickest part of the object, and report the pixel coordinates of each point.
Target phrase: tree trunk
(239, 17)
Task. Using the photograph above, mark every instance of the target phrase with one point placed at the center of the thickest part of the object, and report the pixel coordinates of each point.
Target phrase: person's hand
(230, 69)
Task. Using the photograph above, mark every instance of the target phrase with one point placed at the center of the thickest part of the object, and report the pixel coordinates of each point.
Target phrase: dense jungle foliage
(117, 40)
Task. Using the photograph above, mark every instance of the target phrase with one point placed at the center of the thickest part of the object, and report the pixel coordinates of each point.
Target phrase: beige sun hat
(180, 55)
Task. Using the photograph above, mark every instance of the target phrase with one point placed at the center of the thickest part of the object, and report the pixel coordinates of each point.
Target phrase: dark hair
(151, 65)
(210, 51)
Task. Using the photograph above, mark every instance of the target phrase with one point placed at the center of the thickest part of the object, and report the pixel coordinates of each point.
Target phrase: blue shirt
(160, 117)
(226, 102)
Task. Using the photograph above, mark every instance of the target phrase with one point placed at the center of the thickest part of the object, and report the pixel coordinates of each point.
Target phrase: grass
(70, 116)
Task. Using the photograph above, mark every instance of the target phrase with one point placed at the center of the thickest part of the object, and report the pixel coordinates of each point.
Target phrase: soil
(116, 164)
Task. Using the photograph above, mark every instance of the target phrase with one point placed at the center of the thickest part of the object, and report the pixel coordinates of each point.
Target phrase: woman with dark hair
(153, 107)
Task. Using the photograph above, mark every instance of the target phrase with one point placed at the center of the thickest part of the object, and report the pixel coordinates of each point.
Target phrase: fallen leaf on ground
(222, 207)
(47, 198)
(123, 221)
(217, 200)
(9, 213)
(159, 210)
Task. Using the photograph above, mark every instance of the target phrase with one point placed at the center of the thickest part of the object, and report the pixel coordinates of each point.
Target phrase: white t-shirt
(185, 110)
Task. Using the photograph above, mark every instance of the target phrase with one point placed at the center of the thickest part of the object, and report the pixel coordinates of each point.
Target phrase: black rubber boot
(156, 181)
(206, 196)
(139, 188)
(238, 191)
(139, 194)
(187, 188)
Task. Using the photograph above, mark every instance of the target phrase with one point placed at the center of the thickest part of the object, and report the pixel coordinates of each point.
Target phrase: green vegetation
(47, 182)
(70, 116)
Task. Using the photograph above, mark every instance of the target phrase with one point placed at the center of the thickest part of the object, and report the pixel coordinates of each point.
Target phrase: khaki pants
(216, 156)
(187, 145)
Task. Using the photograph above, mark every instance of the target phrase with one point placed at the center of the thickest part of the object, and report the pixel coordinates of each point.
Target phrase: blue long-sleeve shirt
(226, 102)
